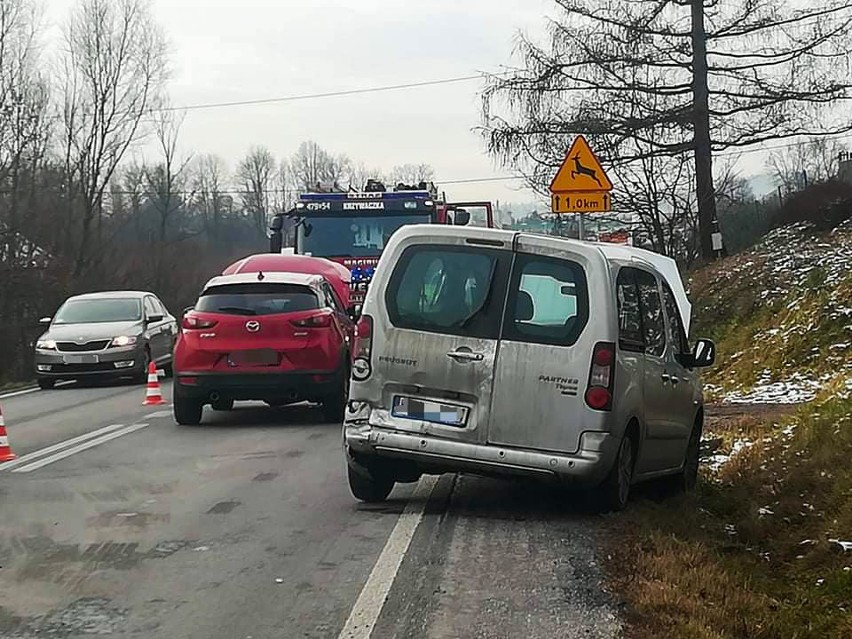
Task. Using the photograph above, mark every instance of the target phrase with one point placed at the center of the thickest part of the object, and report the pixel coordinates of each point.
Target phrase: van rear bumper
(587, 467)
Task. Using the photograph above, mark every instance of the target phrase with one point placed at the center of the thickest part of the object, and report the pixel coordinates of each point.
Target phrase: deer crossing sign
(581, 185)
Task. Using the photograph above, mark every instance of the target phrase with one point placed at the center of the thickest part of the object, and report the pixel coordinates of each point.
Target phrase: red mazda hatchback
(276, 337)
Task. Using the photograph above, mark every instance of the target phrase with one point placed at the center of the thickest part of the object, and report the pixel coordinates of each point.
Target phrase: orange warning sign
(581, 171)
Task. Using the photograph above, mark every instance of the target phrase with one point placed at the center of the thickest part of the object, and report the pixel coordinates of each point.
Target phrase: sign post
(581, 185)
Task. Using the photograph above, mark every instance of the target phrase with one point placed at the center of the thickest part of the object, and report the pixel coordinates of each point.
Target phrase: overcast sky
(246, 49)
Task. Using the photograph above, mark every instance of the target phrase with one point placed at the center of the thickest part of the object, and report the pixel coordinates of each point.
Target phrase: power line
(317, 96)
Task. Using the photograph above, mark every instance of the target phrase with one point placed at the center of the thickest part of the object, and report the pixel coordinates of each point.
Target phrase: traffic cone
(153, 396)
(6, 453)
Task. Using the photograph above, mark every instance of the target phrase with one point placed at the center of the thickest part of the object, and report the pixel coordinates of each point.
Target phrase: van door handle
(466, 356)
(666, 377)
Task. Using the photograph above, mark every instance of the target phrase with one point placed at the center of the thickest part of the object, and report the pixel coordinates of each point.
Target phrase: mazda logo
(253, 326)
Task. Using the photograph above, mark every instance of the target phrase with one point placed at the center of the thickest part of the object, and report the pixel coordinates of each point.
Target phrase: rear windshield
(447, 289)
(257, 299)
(463, 291)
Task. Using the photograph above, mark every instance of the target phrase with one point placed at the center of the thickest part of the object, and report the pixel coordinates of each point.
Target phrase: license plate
(428, 411)
(259, 357)
(80, 359)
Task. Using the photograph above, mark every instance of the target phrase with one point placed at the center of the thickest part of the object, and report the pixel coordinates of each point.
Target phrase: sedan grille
(72, 347)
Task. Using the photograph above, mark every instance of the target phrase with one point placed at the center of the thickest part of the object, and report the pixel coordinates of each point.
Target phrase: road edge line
(365, 613)
(79, 449)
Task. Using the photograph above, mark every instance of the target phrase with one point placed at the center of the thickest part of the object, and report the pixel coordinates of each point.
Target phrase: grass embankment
(749, 554)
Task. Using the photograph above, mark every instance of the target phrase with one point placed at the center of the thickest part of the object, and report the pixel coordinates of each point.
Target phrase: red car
(278, 337)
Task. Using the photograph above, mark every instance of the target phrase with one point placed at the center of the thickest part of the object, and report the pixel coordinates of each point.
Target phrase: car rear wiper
(237, 309)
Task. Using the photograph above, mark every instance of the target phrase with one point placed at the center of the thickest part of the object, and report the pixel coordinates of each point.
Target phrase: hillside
(763, 547)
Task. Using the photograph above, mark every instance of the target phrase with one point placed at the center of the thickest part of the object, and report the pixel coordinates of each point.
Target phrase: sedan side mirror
(45, 321)
(704, 354)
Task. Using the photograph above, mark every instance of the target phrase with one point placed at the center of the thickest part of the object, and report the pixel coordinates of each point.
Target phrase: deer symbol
(579, 169)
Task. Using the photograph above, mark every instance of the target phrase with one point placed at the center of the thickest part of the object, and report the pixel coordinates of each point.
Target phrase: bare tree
(255, 174)
(361, 173)
(114, 71)
(167, 179)
(808, 162)
(208, 186)
(313, 166)
(412, 174)
(702, 76)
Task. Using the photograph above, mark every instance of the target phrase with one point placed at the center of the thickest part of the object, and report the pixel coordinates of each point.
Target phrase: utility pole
(703, 148)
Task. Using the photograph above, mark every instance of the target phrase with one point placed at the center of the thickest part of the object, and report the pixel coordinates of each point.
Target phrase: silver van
(501, 353)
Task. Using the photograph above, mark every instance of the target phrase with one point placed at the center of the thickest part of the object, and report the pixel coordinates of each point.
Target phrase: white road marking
(159, 414)
(370, 602)
(56, 447)
(29, 391)
(79, 449)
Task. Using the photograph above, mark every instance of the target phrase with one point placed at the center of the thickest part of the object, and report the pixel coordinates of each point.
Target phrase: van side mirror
(45, 321)
(153, 319)
(462, 218)
(704, 354)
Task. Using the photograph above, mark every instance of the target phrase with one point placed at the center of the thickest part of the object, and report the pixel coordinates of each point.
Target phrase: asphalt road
(115, 522)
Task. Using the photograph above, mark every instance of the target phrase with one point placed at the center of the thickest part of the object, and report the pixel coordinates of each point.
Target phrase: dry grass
(710, 565)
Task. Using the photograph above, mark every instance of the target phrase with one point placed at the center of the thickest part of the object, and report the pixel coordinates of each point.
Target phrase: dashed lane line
(80, 448)
(370, 602)
(159, 414)
(29, 391)
(38, 454)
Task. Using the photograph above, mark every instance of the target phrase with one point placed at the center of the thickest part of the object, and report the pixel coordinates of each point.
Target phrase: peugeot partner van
(500, 353)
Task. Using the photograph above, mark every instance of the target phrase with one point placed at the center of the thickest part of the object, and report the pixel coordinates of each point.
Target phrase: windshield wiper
(239, 310)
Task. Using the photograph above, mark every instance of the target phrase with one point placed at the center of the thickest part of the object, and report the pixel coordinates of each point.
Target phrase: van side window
(677, 334)
(548, 302)
(449, 289)
(630, 336)
(151, 308)
(652, 314)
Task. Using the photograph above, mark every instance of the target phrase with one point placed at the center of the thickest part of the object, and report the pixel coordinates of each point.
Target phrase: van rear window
(449, 289)
(257, 299)
(549, 301)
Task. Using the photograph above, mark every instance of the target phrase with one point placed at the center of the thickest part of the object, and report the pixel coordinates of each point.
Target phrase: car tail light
(362, 366)
(194, 323)
(601, 377)
(315, 321)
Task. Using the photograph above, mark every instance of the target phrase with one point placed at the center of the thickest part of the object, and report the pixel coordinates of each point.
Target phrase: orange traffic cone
(153, 396)
(6, 453)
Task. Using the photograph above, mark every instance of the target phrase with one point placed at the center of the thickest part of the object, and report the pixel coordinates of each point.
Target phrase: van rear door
(545, 353)
(434, 358)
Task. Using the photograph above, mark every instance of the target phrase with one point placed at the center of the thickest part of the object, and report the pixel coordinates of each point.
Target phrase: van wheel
(615, 489)
(687, 478)
(367, 488)
(187, 411)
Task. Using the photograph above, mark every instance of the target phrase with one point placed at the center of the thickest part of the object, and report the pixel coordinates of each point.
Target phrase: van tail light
(601, 377)
(315, 321)
(194, 323)
(362, 365)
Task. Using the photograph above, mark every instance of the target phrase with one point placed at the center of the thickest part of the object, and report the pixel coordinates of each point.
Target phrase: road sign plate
(581, 171)
(582, 202)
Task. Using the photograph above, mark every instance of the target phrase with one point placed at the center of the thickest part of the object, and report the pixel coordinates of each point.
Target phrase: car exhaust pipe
(214, 397)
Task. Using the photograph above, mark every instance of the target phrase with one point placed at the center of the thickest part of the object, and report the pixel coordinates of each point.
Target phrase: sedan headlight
(123, 340)
(46, 344)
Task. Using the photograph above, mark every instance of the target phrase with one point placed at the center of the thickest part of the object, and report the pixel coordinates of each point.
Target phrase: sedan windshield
(343, 236)
(99, 310)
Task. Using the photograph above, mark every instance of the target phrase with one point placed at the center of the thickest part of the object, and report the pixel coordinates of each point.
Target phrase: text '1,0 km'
(581, 185)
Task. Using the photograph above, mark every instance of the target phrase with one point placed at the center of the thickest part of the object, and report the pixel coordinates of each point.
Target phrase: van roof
(664, 265)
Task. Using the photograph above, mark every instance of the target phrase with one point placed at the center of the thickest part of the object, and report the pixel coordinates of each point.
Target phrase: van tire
(614, 492)
(367, 488)
(686, 480)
